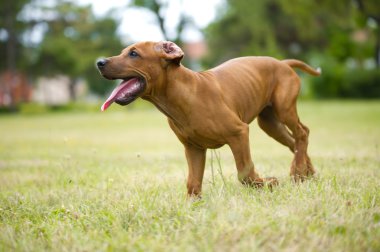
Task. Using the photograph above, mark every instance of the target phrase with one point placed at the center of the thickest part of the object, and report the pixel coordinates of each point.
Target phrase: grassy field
(115, 181)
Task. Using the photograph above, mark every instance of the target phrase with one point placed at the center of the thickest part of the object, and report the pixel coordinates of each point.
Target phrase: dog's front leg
(247, 175)
(196, 159)
(239, 145)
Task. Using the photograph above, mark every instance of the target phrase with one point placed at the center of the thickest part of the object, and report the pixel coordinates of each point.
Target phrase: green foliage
(337, 81)
(12, 50)
(281, 29)
(159, 8)
(244, 29)
(115, 181)
(73, 42)
(341, 31)
(360, 83)
(334, 32)
(33, 109)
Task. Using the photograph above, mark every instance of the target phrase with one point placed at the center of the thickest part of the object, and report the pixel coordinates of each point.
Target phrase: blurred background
(48, 47)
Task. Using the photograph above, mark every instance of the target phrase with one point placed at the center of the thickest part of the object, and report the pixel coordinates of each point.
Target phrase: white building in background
(55, 91)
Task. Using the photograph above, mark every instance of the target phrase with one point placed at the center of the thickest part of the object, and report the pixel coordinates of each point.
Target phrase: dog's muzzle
(101, 63)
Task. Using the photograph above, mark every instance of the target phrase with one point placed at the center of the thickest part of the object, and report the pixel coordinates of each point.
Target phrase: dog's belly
(205, 136)
(204, 141)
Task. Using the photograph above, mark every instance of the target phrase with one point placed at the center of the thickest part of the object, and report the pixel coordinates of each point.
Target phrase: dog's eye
(133, 54)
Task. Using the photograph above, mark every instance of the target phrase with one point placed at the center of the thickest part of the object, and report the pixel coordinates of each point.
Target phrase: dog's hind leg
(284, 105)
(274, 128)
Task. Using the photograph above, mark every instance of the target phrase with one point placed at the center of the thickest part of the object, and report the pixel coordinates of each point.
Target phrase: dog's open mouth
(126, 92)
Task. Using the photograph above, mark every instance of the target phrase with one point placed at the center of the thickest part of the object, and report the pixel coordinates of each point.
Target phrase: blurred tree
(244, 28)
(11, 29)
(159, 9)
(340, 36)
(283, 28)
(370, 16)
(75, 38)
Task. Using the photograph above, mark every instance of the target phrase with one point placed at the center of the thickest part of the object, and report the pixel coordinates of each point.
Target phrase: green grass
(115, 181)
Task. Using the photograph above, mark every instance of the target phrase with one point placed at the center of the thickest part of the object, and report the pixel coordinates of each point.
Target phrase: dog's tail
(303, 66)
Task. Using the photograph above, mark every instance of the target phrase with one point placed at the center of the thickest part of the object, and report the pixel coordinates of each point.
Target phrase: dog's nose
(101, 63)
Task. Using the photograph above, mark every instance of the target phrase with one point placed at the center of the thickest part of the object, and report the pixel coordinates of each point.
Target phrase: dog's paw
(269, 182)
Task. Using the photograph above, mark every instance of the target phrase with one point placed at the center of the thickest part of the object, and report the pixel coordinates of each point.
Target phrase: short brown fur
(209, 109)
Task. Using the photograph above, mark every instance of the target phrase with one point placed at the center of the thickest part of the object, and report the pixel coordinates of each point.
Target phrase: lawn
(115, 181)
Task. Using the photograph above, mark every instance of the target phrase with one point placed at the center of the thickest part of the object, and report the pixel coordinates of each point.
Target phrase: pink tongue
(120, 91)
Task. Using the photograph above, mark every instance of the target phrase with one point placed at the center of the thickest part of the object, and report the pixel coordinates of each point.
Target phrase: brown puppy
(212, 108)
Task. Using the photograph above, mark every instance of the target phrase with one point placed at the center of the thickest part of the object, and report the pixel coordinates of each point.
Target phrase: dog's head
(141, 67)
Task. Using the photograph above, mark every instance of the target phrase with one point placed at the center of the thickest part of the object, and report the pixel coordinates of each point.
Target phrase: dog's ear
(170, 51)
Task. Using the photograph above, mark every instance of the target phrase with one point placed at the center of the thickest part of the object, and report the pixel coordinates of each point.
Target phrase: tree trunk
(377, 49)
(12, 40)
(72, 89)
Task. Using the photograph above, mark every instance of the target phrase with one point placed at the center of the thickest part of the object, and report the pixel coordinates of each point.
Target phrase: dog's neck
(174, 99)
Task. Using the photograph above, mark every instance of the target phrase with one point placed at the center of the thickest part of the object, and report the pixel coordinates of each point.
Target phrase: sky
(139, 25)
